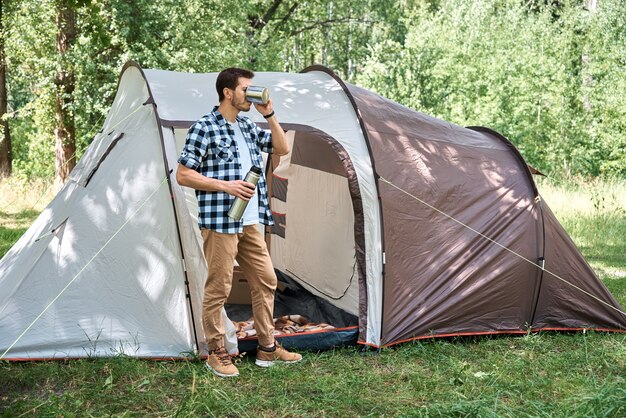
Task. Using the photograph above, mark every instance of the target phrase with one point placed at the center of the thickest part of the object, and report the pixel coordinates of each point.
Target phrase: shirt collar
(221, 120)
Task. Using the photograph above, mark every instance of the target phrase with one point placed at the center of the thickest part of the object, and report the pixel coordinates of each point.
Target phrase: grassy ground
(540, 375)
(20, 204)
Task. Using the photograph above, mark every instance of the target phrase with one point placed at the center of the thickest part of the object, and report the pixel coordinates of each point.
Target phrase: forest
(550, 75)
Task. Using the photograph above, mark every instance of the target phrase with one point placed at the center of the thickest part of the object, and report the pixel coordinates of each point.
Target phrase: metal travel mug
(239, 205)
(257, 94)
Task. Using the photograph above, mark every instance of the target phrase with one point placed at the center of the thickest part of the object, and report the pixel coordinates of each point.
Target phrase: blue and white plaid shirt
(211, 150)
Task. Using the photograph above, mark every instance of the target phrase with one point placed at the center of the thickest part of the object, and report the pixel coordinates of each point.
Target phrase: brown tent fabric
(311, 149)
(442, 278)
(563, 306)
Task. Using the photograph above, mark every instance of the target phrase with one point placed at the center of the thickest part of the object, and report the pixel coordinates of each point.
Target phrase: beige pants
(250, 251)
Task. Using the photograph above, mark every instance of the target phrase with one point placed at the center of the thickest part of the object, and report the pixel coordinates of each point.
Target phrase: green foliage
(30, 63)
(548, 75)
(607, 92)
(517, 70)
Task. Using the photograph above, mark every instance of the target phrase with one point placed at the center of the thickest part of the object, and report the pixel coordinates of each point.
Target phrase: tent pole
(541, 262)
(169, 171)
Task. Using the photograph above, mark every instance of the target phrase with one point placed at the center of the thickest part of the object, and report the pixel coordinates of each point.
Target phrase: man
(220, 149)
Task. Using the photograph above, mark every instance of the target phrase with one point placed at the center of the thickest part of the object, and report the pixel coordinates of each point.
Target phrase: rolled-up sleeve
(263, 138)
(196, 146)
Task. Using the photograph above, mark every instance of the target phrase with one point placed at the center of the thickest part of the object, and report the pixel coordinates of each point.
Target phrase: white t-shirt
(251, 214)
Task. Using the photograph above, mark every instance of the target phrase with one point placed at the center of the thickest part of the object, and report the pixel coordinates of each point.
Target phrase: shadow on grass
(606, 254)
(600, 239)
(26, 214)
(8, 237)
(13, 226)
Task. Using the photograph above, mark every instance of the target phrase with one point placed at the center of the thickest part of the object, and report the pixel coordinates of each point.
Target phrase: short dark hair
(229, 78)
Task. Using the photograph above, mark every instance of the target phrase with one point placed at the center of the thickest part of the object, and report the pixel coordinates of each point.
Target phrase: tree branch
(328, 22)
(288, 15)
(316, 25)
(258, 23)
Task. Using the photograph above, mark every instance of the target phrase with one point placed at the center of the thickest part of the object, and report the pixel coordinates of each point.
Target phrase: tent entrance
(302, 320)
(313, 240)
(313, 243)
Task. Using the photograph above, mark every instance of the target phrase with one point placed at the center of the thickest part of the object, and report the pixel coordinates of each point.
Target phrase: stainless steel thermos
(257, 94)
(239, 205)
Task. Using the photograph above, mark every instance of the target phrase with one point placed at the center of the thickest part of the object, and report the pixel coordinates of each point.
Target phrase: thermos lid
(256, 170)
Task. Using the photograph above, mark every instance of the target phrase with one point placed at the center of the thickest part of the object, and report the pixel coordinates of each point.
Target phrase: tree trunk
(64, 130)
(6, 164)
(591, 6)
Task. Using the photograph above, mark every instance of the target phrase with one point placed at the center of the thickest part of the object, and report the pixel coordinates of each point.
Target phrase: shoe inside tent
(390, 225)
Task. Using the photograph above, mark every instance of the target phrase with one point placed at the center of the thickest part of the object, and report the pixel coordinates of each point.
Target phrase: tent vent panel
(112, 145)
(280, 223)
(279, 188)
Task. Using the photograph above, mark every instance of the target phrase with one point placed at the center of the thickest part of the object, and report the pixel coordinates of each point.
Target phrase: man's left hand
(264, 109)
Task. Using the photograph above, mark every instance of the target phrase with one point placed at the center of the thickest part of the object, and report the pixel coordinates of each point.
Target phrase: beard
(243, 106)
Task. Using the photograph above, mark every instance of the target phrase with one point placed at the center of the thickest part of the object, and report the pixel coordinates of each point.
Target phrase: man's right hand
(190, 178)
(239, 188)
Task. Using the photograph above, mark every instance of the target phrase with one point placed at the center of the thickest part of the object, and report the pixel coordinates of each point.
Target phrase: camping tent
(411, 226)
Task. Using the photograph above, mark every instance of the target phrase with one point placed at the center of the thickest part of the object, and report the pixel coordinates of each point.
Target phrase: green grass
(534, 375)
(538, 375)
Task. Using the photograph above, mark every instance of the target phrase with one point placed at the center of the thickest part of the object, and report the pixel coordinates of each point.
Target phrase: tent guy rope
(85, 266)
(502, 246)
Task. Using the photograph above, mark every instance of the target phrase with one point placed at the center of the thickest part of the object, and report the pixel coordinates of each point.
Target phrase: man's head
(231, 79)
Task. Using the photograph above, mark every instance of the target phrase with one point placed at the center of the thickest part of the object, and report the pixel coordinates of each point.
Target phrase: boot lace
(223, 357)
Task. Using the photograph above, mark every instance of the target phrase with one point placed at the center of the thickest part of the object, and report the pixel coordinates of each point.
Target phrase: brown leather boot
(220, 364)
(279, 355)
